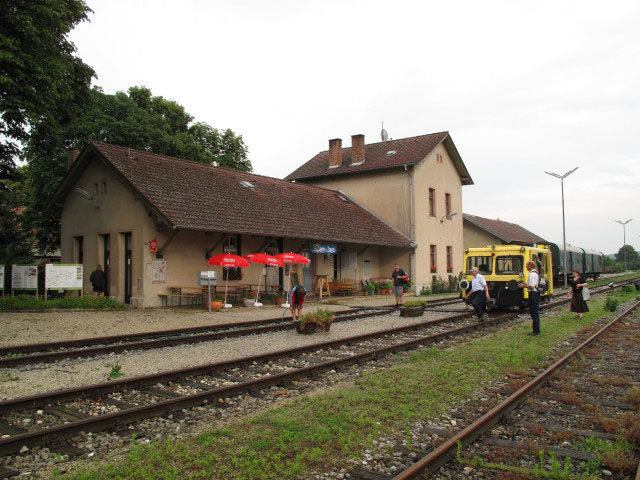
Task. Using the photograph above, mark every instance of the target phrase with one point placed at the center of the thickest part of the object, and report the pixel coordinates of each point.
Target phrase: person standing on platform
(399, 277)
(578, 305)
(534, 297)
(97, 281)
(479, 294)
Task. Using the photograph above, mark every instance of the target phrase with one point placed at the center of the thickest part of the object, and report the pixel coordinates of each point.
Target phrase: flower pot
(366, 293)
(411, 311)
(311, 327)
(249, 302)
(216, 305)
(279, 300)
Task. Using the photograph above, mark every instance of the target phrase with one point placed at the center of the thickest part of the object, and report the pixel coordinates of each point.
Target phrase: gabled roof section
(194, 196)
(505, 231)
(408, 151)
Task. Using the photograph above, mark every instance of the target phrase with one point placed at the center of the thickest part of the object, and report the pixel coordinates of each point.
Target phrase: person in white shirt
(479, 291)
(534, 297)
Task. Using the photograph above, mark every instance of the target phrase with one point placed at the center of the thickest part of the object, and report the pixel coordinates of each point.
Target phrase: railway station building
(414, 184)
(152, 221)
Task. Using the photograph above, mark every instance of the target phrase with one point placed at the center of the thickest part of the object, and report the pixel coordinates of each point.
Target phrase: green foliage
(320, 317)
(610, 304)
(369, 287)
(28, 302)
(414, 303)
(425, 290)
(388, 285)
(134, 119)
(116, 371)
(38, 68)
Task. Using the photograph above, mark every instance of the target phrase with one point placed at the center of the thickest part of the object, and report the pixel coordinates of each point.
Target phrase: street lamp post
(624, 240)
(564, 238)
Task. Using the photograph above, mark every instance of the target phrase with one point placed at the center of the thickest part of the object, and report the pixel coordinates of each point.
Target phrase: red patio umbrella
(228, 260)
(263, 259)
(291, 257)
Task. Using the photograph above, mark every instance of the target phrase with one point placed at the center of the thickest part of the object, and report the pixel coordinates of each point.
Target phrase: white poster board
(24, 277)
(1, 277)
(63, 276)
(158, 271)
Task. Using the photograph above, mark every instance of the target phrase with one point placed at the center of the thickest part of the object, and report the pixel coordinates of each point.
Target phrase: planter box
(311, 327)
(411, 311)
(249, 302)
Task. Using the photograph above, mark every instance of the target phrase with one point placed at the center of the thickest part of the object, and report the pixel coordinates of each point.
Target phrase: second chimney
(357, 149)
(73, 155)
(335, 152)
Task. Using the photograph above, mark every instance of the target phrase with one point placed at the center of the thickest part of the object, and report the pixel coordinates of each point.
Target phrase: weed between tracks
(314, 433)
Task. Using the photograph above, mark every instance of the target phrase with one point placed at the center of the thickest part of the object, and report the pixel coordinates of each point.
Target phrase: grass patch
(314, 433)
(28, 302)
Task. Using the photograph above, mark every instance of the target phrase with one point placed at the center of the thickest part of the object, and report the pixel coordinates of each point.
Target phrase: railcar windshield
(484, 264)
(509, 265)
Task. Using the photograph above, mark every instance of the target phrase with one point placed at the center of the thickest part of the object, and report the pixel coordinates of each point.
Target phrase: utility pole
(564, 237)
(624, 240)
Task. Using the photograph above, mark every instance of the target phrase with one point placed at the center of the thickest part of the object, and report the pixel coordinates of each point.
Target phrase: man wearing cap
(479, 292)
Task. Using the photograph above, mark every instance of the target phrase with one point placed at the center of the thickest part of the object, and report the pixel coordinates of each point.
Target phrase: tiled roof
(508, 232)
(195, 196)
(408, 151)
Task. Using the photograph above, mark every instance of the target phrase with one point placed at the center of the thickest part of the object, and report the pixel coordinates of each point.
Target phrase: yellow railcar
(504, 267)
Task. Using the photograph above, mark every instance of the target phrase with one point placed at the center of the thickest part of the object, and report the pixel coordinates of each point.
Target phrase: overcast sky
(522, 87)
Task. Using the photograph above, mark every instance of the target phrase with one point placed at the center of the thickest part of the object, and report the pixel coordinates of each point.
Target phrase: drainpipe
(412, 256)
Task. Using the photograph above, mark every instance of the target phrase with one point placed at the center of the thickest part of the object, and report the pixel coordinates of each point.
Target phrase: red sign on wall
(153, 245)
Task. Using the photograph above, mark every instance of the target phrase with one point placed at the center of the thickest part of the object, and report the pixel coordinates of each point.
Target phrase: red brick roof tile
(508, 232)
(195, 196)
(408, 151)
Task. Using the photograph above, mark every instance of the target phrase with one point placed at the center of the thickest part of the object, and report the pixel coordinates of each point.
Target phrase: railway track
(565, 415)
(27, 354)
(118, 404)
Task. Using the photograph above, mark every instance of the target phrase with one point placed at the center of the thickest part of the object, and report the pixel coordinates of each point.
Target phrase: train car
(503, 267)
(588, 262)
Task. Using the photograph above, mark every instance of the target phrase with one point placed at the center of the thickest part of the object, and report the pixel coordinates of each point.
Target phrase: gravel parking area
(71, 373)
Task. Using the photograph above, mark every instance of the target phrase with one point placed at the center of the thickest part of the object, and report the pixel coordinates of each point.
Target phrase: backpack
(543, 284)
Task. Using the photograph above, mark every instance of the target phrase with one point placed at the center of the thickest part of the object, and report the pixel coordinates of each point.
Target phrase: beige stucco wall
(475, 237)
(443, 177)
(385, 193)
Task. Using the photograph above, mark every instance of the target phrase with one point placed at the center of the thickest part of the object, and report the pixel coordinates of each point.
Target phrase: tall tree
(633, 259)
(38, 68)
(135, 119)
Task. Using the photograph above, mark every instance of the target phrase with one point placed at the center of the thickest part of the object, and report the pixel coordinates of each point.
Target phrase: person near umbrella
(298, 294)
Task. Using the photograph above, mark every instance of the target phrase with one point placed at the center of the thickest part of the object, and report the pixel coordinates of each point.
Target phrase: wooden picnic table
(188, 292)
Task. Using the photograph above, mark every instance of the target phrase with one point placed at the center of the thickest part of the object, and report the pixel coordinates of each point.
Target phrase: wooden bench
(343, 286)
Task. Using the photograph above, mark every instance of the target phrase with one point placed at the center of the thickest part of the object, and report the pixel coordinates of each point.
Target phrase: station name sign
(324, 249)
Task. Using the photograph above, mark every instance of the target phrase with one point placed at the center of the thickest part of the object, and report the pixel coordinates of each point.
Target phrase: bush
(28, 302)
(610, 304)
(425, 291)
(321, 318)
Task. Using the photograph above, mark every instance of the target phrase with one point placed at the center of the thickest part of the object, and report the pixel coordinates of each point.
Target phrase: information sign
(1, 277)
(24, 277)
(158, 271)
(63, 276)
(324, 249)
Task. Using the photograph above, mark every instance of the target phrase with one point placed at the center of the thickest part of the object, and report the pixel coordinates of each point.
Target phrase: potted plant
(249, 299)
(407, 287)
(449, 269)
(320, 320)
(279, 299)
(365, 290)
(414, 308)
(388, 286)
(216, 302)
(434, 269)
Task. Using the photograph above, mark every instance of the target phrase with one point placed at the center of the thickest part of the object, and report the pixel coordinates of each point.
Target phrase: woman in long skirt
(578, 305)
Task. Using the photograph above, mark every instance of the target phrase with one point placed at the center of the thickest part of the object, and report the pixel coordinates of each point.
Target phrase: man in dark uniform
(399, 277)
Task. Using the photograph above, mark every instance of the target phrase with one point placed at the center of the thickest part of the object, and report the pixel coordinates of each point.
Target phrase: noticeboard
(158, 271)
(24, 277)
(63, 276)
(1, 277)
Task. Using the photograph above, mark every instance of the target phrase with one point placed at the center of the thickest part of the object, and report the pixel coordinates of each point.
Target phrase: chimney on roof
(357, 149)
(335, 152)
(73, 155)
